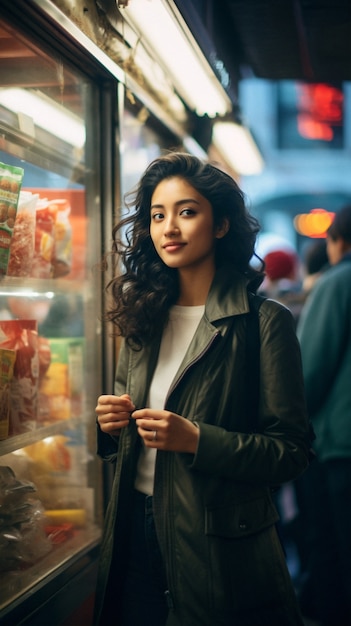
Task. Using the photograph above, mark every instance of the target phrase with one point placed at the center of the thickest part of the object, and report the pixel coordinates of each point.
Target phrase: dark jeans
(144, 599)
(327, 524)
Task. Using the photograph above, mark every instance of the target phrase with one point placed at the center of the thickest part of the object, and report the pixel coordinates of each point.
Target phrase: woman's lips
(173, 246)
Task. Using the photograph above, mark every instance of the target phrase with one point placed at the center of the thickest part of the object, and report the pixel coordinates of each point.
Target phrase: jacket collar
(228, 294)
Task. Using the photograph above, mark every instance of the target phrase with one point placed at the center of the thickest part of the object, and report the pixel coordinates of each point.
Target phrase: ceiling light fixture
(161, 26)
(237, 147)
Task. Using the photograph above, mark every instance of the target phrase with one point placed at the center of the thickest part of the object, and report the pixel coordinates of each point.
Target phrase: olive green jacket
(214, 515)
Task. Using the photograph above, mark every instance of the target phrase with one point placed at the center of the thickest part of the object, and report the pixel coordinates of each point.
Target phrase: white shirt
(182, 324)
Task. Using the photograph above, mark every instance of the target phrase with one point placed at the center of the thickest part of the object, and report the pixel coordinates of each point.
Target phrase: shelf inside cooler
(12, 285)
(21, 583)
(49, 512)
(25, 439)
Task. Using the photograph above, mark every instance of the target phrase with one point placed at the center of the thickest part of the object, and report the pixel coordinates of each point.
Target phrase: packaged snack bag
(10, 185)
(62, 258)
(54, 393)
(22, 336)
(7, 362)
(44, 244)
(22, 243)
(23, 540)
(62, 384)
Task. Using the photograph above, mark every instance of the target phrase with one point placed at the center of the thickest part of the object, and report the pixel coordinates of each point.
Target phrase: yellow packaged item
(77, 517)
(7, 362)
(62, 384)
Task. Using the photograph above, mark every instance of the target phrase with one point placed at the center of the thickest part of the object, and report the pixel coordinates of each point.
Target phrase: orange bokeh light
(313, 224)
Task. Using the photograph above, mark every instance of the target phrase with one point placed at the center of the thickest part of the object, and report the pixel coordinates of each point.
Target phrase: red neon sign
(321, 108)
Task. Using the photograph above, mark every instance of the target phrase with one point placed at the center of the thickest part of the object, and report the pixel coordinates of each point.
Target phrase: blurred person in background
(290, 497)
(282, 272)
(283, 281)
(324, 331)
(315, 262)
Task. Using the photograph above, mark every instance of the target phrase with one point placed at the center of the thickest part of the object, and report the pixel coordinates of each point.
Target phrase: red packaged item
(60, 533)
(22, 336)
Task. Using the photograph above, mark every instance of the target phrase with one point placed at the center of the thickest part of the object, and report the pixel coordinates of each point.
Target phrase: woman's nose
(171, 227)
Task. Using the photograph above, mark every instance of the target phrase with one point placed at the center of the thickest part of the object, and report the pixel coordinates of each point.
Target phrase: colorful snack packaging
(7, 362)
(44, 243)
(61, 388)
(10, 185)
(22, 336)
(62, 258)
(53, 239)
(22, 243)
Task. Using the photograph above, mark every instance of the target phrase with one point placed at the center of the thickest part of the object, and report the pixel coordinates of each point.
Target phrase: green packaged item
(10, 186)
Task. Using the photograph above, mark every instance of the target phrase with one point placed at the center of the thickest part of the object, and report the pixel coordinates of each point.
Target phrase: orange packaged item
(44, 245)
(50, 455)
(62, 258)
(49, 465)
(7, 362)
(54, 393)
(10, 185)
(22, 243)
(22, 336)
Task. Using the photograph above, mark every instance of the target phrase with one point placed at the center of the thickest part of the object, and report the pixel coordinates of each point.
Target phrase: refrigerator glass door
(50, 339)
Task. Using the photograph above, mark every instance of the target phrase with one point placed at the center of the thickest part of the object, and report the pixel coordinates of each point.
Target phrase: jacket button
(243, 525)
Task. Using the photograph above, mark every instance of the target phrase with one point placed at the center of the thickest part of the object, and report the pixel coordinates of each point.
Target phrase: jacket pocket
(240, 519)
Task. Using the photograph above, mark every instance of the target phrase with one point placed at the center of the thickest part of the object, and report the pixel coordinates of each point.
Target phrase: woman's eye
(157, 217)
(187, 211)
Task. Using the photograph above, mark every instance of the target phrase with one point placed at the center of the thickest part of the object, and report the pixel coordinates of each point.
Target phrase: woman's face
(182, 225)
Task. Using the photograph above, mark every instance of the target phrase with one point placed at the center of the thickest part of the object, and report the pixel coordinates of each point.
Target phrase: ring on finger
(154, 435)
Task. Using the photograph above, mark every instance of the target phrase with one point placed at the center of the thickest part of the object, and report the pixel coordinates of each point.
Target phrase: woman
(190, 536)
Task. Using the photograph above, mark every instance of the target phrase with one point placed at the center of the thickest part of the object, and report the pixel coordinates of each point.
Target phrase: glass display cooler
(54, 179)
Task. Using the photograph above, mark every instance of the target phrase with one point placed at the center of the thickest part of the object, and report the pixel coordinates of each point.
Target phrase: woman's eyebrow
(179, 202)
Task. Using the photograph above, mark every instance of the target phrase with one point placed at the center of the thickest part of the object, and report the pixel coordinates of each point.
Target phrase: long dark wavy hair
(143, 293)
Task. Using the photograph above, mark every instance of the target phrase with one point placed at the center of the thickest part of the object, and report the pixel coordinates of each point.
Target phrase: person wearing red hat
(282, 282)
(280, 264)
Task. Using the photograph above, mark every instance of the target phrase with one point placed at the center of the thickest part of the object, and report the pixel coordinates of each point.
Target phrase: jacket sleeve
(107, 445)
(278, 451)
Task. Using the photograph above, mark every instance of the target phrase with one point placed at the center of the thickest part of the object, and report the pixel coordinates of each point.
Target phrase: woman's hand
(113, 413)
(164, 430)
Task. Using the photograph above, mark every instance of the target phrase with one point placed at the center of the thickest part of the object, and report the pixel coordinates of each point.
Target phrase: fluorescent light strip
(46, 114)
(180, 55)
(28, 293)
(236, 145)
